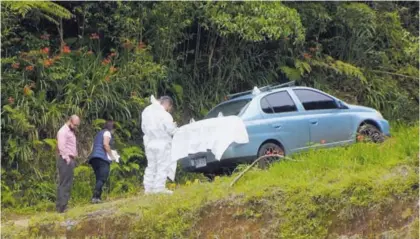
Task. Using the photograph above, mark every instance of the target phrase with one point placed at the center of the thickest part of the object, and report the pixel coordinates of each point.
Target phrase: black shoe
(61, 209)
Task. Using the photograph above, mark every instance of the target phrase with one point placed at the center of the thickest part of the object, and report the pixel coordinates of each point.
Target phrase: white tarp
(116, 156)
(215, 134)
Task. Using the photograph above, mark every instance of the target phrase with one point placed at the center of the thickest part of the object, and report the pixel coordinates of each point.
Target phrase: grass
(363, 188)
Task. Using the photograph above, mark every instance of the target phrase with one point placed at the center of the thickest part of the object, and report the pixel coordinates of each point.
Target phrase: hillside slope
(361, 191)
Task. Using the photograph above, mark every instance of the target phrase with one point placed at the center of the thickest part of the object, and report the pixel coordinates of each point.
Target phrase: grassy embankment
(366, 190)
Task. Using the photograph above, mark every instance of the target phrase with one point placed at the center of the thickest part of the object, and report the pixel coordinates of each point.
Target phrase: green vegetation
(103, 60)
(363, 189)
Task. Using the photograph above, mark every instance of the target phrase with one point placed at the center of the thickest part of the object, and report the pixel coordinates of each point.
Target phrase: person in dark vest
(101, 158)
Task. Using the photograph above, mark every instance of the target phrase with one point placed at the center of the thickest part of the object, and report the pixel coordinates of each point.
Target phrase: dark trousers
(101, 169)
(65, 182)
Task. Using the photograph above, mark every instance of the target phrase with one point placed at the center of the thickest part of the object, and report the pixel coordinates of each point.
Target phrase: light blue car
(285, 119)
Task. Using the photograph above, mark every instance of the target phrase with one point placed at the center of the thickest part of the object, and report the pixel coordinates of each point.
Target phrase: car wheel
(369, 133)
(210, 176)
(266, 150)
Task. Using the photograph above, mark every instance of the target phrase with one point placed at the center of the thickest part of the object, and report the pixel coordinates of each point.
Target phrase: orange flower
(106, 62)
(29, 68)
(107, 79)
(15, 65)
(26, 90)
(360, 138)
(66, 49)
(11, 100)
(45, 50)
(112, 69)
(48, 62)
(307, 56)
(90, 52)
(94, 36)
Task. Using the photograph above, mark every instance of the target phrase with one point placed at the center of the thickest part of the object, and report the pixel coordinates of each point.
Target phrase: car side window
(312, 100)
(266, 107)
(279, 102)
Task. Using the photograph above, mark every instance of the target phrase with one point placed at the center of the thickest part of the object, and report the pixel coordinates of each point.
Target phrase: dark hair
(109, 125)
(166, 98)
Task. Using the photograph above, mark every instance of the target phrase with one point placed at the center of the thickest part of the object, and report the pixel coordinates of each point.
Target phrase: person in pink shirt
(67, 151)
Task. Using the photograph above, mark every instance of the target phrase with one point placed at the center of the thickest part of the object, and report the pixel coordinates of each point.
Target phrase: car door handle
(277, 126)
(314, 122)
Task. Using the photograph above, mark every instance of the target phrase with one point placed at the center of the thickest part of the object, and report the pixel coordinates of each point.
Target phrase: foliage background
(103, 60)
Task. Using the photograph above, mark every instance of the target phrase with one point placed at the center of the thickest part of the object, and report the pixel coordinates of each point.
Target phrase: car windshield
(228, 109)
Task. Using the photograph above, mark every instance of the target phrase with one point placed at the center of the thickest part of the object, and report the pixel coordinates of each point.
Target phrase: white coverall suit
(158, 128)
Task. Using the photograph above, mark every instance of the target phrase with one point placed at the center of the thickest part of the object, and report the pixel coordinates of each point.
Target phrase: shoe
(149, 191)
(96, 200)
(62, 210)
(165, 191)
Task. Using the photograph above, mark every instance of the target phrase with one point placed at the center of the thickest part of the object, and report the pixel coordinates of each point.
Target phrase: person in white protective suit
(158, 127)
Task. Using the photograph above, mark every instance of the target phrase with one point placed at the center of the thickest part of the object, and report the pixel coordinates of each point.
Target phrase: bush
(41, 88)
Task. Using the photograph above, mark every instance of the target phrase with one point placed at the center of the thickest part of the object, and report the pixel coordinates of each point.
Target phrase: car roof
(250, 96)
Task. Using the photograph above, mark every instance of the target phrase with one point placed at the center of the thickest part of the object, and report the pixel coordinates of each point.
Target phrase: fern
(51, 142)
(298, 71)
(340, 67)
(349, 70)
(303, 67)
(98, 123)
(47, 9)
(131, 152)
(291, 73)
(16, 119)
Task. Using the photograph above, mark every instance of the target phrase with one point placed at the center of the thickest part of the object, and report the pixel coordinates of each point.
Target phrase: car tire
(210, 176)
(267, 149)
(369, 133)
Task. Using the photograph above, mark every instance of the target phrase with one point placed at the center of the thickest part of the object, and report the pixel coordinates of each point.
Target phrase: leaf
(129, 152)
(51, 142)
(135, 166)
(98, 124)
(179, 91)
(291, 73)
(50, 8)
(303, 67)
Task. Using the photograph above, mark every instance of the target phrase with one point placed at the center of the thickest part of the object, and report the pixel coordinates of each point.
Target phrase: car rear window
(228, 109)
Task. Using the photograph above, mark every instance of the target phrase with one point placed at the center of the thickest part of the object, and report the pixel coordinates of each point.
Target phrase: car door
(283, 121)
(329, 125)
